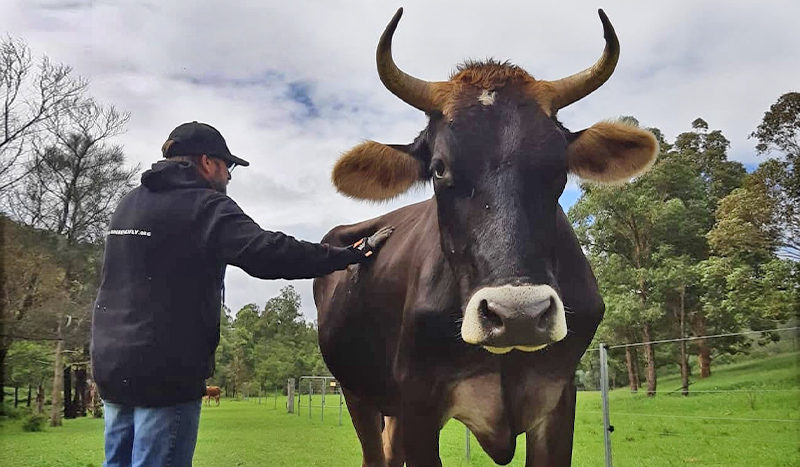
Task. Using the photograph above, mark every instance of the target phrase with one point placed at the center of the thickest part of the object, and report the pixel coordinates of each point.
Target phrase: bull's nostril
(546, 319)
(490, 318)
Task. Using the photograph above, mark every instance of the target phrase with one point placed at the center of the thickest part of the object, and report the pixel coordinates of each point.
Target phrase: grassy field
(740, 428)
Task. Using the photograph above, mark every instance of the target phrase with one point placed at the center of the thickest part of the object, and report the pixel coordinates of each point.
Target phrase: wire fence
(751, 410)
(718, 418)
(315, 394)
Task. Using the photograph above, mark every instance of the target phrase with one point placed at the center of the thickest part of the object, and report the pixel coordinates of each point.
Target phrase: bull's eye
(438, 168)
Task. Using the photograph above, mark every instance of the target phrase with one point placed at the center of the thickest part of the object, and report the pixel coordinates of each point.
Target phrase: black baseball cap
(194, 139)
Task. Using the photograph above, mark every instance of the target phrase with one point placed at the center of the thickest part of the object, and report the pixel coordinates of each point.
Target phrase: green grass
(244, 433)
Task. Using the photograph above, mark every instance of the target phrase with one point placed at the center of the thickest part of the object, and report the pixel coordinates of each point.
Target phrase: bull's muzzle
(525, 317)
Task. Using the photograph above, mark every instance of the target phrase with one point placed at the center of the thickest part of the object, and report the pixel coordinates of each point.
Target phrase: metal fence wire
(312, 395)
(318, 393)
(630, 422)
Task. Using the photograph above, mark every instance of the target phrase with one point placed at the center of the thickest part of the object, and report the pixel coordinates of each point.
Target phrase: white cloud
(234, 64)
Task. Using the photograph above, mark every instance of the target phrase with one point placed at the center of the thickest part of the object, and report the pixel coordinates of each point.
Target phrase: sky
(293, 84)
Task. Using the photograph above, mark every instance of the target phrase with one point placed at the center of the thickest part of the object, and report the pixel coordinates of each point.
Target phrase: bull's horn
(413, 91)
(574, 88)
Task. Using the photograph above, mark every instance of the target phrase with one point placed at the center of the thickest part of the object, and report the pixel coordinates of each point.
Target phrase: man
(156, 319)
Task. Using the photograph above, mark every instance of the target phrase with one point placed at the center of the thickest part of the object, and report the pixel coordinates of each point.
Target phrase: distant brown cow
(212, 391)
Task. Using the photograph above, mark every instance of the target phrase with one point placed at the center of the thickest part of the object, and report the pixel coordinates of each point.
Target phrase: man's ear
(377, 172)
(206, 165)
(612, 152)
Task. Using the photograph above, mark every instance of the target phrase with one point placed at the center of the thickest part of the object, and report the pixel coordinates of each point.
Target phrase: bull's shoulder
(342, 235)
(403, 219)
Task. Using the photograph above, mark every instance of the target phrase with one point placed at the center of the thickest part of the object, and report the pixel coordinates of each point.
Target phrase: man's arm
(275, 255)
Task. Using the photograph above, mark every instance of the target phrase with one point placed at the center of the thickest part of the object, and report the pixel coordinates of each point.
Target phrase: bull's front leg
(420, 425)
(549, 442)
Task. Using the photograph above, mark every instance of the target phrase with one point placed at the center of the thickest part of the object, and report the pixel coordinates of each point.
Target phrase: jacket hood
(170, 175)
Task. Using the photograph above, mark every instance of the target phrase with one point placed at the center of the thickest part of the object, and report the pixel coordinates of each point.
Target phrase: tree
(750, 282)
(773, 177)
(780, 130)
(673, 277)
(73, 187)
(705, 152)
(242, 366)
(29, 362)
(31, 98)
(224, 354)
(744, 225)
(268, 346)
(77, 180)
(35, 285)
(645, 238)
(617, 224)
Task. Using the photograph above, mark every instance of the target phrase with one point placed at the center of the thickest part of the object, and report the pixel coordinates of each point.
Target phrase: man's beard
(219, 186)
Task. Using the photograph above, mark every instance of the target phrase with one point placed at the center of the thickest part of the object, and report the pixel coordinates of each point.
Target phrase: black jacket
(156, 320)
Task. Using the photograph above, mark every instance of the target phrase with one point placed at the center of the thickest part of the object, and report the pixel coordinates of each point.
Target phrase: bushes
(34, 422)
(8, 410)
(31, 421)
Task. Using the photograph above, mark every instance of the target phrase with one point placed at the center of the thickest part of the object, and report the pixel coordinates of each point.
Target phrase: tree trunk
(69, 410)
(650, 358)
(88, 399)
(684, 371)
(684, 358)
(705, 359)
(40, 399)
(16, 396)
(79, 402)
(630, 363)
(58, 378)
(3, 353)
(704, 351)
(30, 389)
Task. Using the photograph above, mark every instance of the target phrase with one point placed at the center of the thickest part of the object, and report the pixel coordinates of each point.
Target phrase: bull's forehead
(492, 127)
(490, 74)
(479, 83)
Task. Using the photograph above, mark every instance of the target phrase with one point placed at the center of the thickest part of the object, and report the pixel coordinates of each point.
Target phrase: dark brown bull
(481, 304)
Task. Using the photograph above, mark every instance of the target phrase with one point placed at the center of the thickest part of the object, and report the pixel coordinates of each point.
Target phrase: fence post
(310, 402)
(322, 417)
(467, 429)
(607, 428)
(277, 391)
(340, 406)
(290, 396)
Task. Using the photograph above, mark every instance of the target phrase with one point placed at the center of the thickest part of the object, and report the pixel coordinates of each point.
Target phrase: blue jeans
(151, 436)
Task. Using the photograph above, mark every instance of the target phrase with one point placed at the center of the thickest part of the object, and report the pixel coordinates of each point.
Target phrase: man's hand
(369, 244)
(376, 240)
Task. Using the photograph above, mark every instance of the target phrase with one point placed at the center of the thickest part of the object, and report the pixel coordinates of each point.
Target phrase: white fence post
(607, 428)
(322, 417)
(467, 446)
(290, 396)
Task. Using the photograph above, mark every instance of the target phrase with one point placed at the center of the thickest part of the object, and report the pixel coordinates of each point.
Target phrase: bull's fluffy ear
(612, 152)
(374, 171)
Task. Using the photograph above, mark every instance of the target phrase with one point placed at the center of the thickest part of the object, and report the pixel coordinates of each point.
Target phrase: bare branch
(29, 98)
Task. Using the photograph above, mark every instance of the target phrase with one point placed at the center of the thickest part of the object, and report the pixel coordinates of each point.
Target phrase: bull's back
(360, 309)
